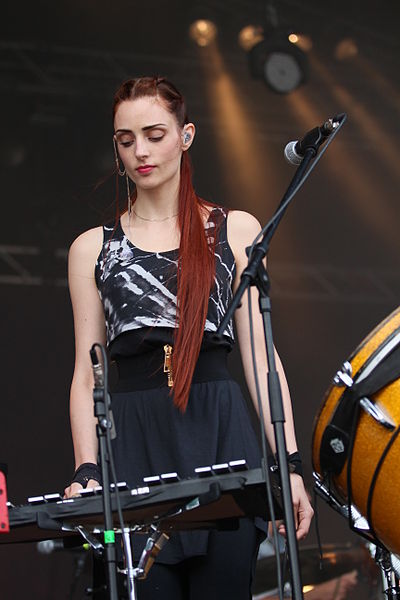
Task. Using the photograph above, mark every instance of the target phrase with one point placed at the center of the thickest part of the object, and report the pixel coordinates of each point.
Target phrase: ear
(188, 134)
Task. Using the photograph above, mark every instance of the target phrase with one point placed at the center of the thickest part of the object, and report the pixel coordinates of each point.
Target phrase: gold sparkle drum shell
(374, 459)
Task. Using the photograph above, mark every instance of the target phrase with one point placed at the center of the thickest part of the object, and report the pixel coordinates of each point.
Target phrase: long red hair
(196, 262)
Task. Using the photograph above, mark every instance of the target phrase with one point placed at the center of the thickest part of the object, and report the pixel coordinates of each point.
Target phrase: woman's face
(149, 142)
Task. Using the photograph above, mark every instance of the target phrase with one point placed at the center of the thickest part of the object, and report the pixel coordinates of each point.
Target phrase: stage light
(203, 32)
(249, 36)
(282, 64)
(304, 42)
(346, 49)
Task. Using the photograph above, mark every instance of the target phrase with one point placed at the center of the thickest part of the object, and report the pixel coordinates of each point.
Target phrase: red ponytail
(196, 270)
(196, 261)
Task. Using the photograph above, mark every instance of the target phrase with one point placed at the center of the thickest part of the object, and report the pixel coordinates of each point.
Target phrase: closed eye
(129, 143)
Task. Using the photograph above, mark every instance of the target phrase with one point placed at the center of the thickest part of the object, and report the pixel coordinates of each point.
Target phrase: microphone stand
(101, 399)
(256, 274)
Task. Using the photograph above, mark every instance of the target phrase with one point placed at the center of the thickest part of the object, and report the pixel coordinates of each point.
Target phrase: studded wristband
(85, 472)
(294, 463)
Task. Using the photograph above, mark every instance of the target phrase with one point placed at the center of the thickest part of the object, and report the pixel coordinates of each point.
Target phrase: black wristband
(295, 464)
(85, 472)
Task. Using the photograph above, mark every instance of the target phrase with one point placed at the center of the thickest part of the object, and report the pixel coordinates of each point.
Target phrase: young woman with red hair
(154, 286)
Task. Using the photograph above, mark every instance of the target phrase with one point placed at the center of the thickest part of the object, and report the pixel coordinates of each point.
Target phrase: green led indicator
(109, 537)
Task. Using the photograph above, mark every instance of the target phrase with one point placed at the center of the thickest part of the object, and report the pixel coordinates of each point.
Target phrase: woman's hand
(302, 509)
(73, 490)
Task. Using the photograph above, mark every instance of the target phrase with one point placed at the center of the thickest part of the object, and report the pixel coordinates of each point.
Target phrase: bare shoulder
(90, 240)
(242, 228)
(85, 249)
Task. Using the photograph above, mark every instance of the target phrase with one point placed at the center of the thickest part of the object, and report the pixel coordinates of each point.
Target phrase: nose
(141, 147)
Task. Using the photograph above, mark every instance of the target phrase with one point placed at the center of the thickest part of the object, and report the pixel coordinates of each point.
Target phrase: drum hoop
(373, 333)
(368, 366)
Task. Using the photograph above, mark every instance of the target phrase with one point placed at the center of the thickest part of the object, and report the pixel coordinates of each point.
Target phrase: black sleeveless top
(138, 288)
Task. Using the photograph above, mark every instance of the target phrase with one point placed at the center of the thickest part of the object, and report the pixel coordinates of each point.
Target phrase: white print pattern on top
(138, 288)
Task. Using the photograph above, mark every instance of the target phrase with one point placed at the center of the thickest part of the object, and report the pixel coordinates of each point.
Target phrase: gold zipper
(168, 364)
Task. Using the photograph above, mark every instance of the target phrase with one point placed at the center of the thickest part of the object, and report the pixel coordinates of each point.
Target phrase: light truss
(30, 265)
(69, 71)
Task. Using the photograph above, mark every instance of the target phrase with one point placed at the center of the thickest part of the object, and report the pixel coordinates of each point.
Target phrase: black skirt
(154, 437)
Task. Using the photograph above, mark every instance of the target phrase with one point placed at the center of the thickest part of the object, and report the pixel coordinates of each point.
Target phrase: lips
(145, 169)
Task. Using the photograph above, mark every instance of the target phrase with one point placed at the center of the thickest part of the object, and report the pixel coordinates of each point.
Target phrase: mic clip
(314, 139)
(294, 151)
(330, 125)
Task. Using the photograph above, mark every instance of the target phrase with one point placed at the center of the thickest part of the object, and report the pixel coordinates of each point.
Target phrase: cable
(264, 449)
(263, 231)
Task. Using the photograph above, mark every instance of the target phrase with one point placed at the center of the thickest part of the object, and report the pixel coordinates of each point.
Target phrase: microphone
(97, 369)
(98, 376)
(294, 151)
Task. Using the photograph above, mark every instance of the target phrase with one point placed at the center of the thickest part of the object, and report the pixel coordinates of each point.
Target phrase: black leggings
(225, 572)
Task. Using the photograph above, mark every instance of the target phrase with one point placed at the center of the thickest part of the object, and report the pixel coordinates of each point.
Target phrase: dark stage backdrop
(333, 262)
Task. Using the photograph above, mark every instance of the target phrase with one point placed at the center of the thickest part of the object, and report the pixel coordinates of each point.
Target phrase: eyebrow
(143, 128)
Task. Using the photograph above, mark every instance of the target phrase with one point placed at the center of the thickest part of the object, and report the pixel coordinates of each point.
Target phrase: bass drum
(365, 470)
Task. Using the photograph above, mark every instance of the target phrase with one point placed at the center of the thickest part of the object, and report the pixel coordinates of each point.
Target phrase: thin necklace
(154, 220)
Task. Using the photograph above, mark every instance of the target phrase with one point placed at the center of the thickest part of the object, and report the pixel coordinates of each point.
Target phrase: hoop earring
(128, 193)
(121, 173)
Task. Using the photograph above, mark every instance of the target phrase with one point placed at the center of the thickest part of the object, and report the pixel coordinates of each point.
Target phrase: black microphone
(294, 151)
(98, 375)
(97, 369)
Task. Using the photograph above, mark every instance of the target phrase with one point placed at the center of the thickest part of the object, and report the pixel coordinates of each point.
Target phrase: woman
(170, 248)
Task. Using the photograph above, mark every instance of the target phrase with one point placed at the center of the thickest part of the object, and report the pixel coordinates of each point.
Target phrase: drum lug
(376, 413)
(343, 376)
(359, 522)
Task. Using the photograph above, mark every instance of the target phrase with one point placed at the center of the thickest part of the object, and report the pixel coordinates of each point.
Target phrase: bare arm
(242, 229)
(89, 326)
